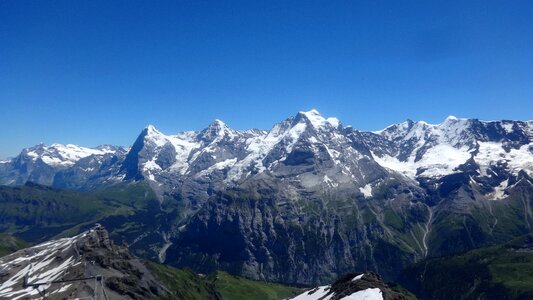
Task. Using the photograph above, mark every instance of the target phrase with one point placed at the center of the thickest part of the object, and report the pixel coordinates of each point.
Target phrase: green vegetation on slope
(184, 284)
(500, 272)
(10, 244)
(237, 288)
(37, 213)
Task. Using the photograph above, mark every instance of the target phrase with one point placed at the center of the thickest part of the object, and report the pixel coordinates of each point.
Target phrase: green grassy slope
(37, 213)
(184, 284)
(9, 244)
(237, 288)
(500, 272)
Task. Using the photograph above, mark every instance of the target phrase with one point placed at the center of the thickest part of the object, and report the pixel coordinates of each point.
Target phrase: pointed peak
(454, 120)
(451, 118)
(312, 112)
(217, 123)
(217, 130)
(314, 117)
(150, 129)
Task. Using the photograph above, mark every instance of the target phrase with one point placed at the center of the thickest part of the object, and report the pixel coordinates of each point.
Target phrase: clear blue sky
(94, 72)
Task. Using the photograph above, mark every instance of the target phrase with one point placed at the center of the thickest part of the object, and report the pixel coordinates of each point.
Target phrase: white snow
(358, 277)
(42, 266)
(184, 144)
(324, 293)
(259, 147)
(368, 294)
(508, 127)
(333, 121)
(317, 120)
(491, 153)
(65, 155)
(315, 294)
(499, 191)
(155, 137)
(438, 161)
(62, 289)
(367, 192)
(443, 143)
(218, 166)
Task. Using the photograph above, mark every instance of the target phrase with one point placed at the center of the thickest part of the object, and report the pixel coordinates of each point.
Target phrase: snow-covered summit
(64, 155)
(316, 120)
(435, 150)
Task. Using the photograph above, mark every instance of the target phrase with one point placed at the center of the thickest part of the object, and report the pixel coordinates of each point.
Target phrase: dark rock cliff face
(130, 166)
(266, 235)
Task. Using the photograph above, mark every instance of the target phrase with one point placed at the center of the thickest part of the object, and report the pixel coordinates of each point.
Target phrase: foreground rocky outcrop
(354, 286)
(86, 265)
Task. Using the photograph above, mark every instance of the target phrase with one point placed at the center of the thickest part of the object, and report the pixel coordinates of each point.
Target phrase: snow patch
(358, 277)
(42, 266)
(367, 192)
(492, 154)
(368, 294)
(499, 191)
(438, 161)
(324, 293)
(320, 292)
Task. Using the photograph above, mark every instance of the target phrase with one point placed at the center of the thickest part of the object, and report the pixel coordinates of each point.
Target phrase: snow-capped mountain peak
(422, 149)
(315, 119)
(63, 155)
(216, 131)
(153, 135)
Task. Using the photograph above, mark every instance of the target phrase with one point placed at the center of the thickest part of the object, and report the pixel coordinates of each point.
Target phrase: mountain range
(304, 202)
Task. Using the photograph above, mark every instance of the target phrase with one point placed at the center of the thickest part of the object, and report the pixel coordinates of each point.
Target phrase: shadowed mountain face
(307, 200)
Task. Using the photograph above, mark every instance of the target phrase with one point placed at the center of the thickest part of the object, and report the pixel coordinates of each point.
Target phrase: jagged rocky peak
(353, 286)
(217, 130)
(85, 265)
(150, 134)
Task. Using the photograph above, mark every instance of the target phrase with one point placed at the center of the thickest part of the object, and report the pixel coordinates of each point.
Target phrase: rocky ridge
(87, 265)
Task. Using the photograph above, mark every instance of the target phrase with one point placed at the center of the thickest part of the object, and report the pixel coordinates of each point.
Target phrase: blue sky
(95, 72)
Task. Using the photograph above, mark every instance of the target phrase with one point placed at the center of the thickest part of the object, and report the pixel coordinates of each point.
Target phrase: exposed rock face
(354, 286)
(87, 255)
(267, 234)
